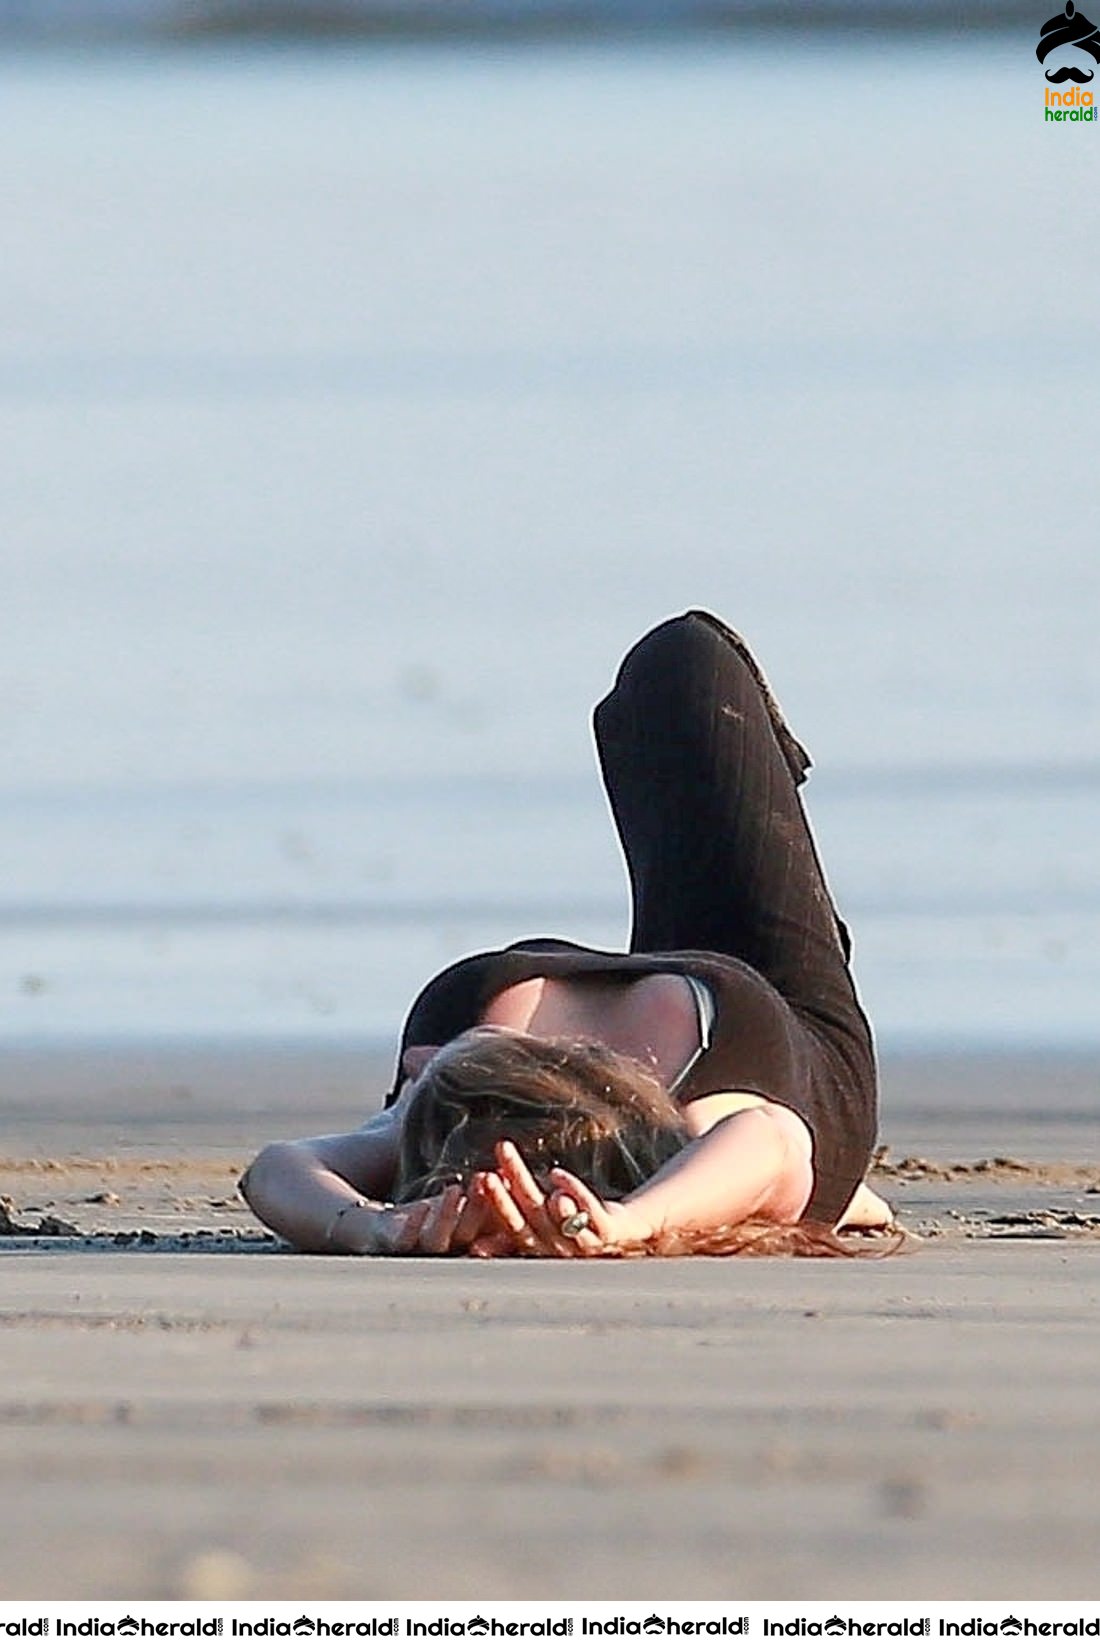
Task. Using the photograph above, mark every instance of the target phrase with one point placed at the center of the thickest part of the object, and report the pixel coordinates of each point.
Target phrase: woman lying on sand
(711, 1091)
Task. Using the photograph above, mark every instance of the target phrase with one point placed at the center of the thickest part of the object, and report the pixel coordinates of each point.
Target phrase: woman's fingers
(582, 1200)
(534, 1220)
(501, 1213)
(509, 1215)
(616, 1226)
(494, 1246)
(403, 1227)
(512, 1223)
(497, 1233)
(585, 1240)
(436, 1234)
(477, 1218)
(542, 1233)
(511, 1163)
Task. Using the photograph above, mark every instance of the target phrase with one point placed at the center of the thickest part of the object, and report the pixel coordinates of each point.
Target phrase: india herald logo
(1070, 28)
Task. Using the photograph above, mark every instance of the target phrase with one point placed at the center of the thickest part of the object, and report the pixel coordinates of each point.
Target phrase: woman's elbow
(793, 1185)
(266, 1172)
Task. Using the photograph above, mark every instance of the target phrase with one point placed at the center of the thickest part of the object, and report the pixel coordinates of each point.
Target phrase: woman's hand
(443, 1225)
(528, 1221)
(425, 1227)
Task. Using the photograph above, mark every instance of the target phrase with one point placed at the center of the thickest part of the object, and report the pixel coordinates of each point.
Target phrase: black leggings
(702, 774)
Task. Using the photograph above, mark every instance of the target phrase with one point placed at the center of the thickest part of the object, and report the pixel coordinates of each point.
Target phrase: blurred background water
(361, 403)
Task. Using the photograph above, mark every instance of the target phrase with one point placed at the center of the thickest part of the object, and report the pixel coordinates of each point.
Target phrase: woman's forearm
(309, 1190)
(294, 1194)
(754, 1163)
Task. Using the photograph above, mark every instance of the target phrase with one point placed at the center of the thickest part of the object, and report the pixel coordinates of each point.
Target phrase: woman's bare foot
(867, 1211)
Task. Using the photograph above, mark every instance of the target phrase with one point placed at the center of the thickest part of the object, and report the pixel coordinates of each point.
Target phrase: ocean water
(359, 406)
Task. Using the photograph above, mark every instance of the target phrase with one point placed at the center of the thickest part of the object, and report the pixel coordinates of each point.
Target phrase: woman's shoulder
(454, 999)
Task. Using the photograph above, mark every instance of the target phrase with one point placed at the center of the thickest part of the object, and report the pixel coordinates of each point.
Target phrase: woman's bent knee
(677, 651)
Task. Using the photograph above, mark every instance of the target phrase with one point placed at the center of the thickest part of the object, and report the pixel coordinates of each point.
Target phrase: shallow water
(359, 407)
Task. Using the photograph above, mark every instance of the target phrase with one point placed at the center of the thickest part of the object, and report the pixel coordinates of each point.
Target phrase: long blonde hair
(575, 1104)
(565, 1102)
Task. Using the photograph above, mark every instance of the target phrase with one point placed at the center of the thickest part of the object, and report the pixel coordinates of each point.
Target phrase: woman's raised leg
(702, 775)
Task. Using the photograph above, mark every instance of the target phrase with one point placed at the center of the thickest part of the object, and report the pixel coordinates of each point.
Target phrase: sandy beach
(364, 403)
(191, 1412)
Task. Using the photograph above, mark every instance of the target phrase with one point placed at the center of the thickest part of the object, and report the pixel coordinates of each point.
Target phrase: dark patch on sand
(48, 1226)
(998, 1169)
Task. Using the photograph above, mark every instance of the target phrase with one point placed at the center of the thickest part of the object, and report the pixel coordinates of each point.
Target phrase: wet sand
(187, 1410)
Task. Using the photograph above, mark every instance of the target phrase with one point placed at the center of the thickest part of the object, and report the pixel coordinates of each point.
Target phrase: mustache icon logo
(1069, 28)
